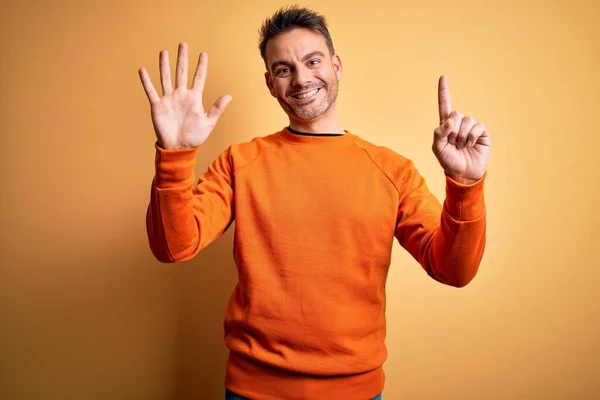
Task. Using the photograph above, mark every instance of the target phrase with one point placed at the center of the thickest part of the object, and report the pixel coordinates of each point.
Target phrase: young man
(317, 209)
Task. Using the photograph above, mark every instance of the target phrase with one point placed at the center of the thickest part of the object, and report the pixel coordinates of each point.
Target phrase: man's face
(302, 74)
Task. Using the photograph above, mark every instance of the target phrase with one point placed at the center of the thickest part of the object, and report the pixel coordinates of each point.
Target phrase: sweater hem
(251, 379)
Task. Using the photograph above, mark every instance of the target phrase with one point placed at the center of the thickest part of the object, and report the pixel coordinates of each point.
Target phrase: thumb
(217, 109)
(442, 131)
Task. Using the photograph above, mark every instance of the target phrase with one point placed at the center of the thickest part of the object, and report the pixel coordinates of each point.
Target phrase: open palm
(179, 119)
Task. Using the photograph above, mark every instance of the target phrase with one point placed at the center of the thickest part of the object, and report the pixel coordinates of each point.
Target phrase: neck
(326, 123)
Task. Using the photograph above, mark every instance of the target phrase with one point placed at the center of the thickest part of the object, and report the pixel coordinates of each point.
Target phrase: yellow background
(87, 313)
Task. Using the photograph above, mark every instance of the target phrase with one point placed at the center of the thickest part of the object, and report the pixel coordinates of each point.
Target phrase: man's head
(302, 68)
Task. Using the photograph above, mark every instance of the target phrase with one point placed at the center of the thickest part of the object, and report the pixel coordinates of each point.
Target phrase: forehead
(294, 45)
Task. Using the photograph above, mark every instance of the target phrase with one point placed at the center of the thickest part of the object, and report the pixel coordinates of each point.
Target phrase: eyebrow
(306, 57)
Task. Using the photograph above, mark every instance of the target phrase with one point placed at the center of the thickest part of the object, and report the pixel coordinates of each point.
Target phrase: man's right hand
(179, 119)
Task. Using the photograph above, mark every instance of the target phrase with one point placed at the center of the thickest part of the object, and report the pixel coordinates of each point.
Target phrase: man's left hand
(460, 143)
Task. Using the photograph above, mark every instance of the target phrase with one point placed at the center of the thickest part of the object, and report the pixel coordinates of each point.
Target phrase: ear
(337, 66)
(269, 82)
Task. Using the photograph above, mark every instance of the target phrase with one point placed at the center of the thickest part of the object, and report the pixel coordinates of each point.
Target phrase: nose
(301, 77)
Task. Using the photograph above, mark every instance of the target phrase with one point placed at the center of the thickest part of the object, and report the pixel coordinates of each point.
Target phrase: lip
(307, 91)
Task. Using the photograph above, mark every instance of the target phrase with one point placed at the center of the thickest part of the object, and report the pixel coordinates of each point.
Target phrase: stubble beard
(312, 111)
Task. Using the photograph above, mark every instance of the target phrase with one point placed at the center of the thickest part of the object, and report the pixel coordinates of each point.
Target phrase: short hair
(289, 18)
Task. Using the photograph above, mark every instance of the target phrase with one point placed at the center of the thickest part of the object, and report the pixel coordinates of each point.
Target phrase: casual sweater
(315, 221)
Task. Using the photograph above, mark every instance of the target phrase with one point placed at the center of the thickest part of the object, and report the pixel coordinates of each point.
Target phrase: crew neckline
(330, 139)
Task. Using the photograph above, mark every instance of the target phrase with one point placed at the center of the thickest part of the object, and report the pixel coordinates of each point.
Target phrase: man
(317, 209)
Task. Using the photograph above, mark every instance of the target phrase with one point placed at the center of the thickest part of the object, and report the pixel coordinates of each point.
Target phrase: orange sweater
(315, 220)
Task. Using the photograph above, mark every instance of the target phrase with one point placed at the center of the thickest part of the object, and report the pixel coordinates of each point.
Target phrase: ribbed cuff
(174, 168)
(465, 202)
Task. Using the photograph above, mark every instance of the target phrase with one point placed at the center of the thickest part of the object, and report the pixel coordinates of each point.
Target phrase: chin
(310, 113)
(304, 117)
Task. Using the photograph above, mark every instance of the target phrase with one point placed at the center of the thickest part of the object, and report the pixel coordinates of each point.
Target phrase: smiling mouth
(306, 95)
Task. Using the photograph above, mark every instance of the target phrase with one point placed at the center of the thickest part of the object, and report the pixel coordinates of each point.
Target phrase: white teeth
(307, 95)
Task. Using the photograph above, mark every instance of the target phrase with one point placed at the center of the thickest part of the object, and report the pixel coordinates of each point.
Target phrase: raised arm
(448, 239)
(183, 217)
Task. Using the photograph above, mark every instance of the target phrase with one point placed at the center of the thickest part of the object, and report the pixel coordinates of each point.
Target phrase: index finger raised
(444, 99)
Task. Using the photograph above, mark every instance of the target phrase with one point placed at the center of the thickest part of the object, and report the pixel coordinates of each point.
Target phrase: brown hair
(288, 18)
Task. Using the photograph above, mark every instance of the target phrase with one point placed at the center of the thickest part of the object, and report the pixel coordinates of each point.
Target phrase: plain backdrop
(87, 313)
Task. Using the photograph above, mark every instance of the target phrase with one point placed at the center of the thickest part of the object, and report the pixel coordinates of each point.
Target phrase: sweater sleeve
(184, 217)
(448, 239)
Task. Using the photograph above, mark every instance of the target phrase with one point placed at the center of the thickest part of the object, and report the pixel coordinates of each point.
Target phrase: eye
(314, 62)
(283, 71)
